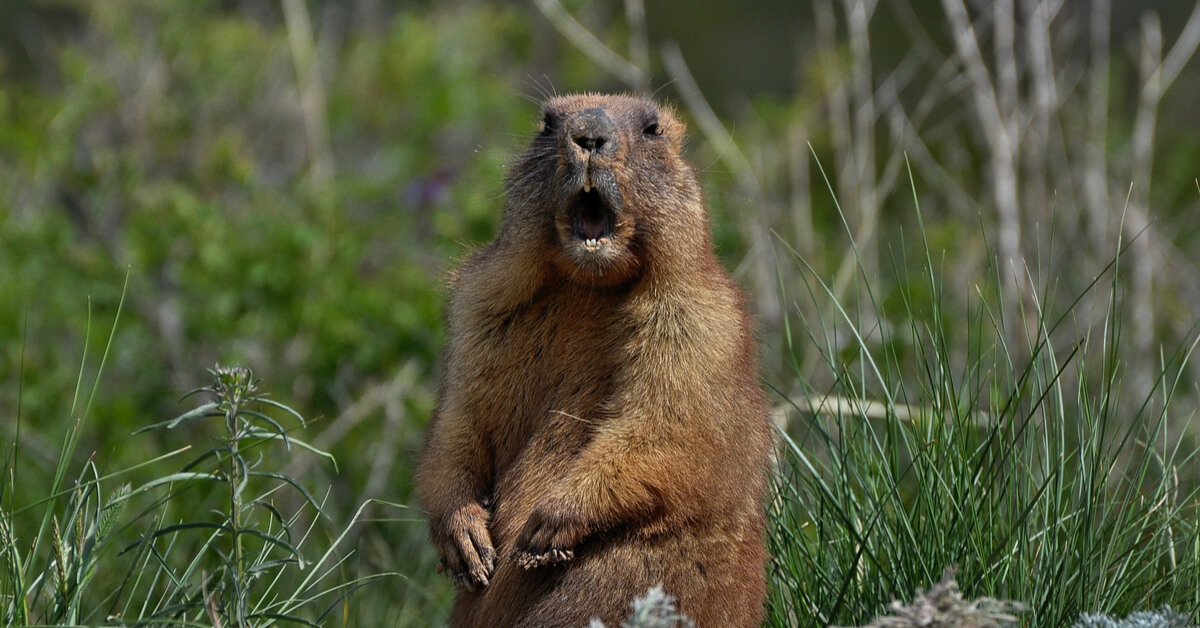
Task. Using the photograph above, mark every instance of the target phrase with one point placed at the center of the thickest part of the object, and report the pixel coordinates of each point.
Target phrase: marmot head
(606, 185)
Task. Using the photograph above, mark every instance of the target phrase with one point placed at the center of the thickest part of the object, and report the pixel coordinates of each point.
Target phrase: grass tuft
(1027, 466)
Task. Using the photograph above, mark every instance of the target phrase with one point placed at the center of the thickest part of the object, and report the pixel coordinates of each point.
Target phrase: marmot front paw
(549, 537)
(465, 547)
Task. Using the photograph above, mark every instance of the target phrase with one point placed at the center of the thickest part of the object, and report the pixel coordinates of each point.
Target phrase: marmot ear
(453, 276)
(549, 125)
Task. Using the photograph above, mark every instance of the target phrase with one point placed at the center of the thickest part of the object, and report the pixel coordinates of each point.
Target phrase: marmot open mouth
(592, 220)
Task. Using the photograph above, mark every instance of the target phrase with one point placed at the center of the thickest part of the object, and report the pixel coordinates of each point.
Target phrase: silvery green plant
(656, 609)
(1165, 617)
(943, 606)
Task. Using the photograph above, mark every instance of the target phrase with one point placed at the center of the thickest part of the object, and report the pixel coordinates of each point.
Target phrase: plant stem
(235, 510)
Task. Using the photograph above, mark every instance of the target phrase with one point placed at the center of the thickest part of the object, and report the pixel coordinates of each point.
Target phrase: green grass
(1027, 463)
(217, 537)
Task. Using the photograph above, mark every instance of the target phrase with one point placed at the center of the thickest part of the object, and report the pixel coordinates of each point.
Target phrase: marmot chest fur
(600, 427)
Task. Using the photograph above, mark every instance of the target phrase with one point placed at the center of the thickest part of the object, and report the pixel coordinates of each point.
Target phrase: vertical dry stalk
(800, 180)
(583, 39)
(710, 125)
(837, 107)
(798, 231)
(995, 106)
(1035, 148)
(639, 46)
(992, 105)
(1141, 319)
(312, 91)
(858, 163)
(758, 263)
(1157, 76)
(1095, 160)
(825, 21)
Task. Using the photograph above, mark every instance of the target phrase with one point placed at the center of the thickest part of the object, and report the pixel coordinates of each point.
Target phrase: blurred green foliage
(306, 233)
(170, 145)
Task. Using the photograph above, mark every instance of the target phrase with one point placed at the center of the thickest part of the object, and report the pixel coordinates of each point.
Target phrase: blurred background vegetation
(286, 183)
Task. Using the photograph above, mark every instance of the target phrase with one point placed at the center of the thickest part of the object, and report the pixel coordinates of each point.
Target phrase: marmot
(600, 427)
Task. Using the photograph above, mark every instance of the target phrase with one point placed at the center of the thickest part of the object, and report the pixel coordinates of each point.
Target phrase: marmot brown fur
(600, 428)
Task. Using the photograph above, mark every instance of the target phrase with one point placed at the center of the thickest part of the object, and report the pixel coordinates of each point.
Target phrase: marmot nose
(593, 131)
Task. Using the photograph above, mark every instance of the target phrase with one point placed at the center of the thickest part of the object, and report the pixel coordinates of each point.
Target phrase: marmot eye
(652, 129)
(549, 124)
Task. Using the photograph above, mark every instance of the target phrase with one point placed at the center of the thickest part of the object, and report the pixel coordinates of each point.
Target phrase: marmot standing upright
(600, 427)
